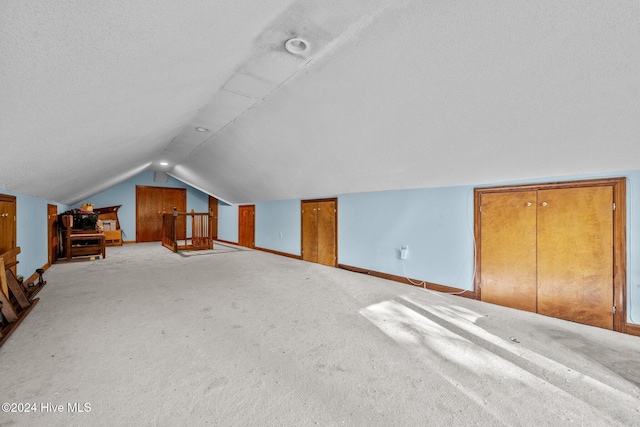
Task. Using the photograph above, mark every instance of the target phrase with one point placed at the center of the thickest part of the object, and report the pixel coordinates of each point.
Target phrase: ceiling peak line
(250, 75)
(251, 107)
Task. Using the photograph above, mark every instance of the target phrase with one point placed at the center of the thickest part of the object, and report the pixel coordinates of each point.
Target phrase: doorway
(52, 227)
(151, 202)
(213, 212)
(320, 231)
(556, 249)
(8, 227)
(246, 226)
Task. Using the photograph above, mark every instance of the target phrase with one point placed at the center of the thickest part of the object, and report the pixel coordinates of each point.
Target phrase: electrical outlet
(404, 252)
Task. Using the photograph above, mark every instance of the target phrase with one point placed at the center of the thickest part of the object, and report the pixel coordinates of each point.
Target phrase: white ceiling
(391, 94)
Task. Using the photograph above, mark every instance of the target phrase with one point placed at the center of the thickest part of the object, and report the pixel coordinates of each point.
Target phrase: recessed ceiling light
(296, 45)
(164, 164)
(202, 129)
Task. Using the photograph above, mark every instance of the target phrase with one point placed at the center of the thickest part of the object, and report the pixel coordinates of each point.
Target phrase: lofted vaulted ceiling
(390, 94)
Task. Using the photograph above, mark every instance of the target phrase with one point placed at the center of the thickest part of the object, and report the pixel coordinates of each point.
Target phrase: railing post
(175, 228)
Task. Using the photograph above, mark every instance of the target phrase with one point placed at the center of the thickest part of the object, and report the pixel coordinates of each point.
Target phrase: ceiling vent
(296, 46)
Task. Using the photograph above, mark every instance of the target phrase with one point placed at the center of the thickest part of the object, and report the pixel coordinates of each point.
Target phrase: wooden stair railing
(200, 231)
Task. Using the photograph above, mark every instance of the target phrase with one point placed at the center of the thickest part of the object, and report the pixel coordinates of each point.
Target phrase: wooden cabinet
(551, 251)
(319, 231)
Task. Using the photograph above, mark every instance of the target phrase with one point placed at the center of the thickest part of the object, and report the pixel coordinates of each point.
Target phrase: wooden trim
(271, 251)
(552, 185)
(477, 247)
(619, 236)
(128, 242)
(404, 280)
(7, 198)
(227, 241)
(328, 199)
(633, 329)
(620, 255)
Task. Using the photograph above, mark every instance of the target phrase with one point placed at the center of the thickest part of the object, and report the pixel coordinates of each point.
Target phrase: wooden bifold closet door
(575, 256)
(150, 203)
(509, 275)
(319, 231)
(550, 251)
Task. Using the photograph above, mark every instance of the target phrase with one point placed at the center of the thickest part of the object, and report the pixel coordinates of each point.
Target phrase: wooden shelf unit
(76, 242)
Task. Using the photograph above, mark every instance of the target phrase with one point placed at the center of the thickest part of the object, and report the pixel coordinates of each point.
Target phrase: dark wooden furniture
(16, 300)
(77, 242)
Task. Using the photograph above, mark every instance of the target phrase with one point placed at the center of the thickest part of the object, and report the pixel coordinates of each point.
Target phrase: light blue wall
(32, 232)
(125, 194)
(278, 226)
(227, 222)
(633, 243)
(436, 224)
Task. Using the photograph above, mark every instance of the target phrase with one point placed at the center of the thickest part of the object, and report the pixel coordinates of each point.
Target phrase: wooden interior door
(319, 231)
(213, 211)
(52, 227)
(508, 242)
(327, 232)
(575, 254)
(310, 231)
(8, 226)
(148, 214)
(150, 203)
(246, 226)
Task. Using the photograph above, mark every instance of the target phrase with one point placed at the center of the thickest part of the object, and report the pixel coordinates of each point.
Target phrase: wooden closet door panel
(8, 226)
(175, 197)
(148, 214)
(575, 254)
(310, 231)
(508, 242)
(326, 219)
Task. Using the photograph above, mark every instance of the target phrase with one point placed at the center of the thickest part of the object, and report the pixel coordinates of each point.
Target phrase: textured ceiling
(390, 94)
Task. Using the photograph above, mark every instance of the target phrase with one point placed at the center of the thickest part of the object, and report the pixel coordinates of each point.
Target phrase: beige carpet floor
(236, 337)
